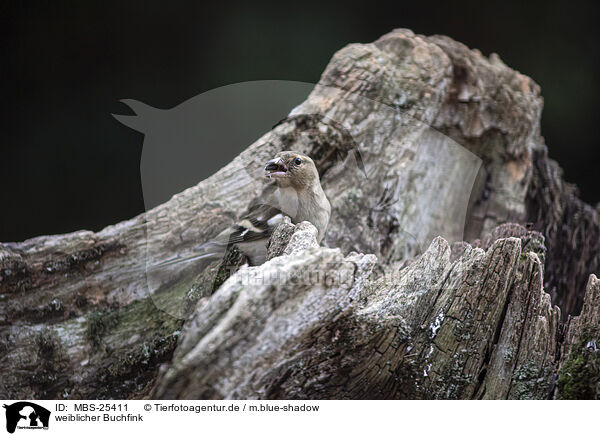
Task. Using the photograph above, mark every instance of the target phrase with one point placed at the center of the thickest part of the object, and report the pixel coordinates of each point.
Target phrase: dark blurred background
(66, 164)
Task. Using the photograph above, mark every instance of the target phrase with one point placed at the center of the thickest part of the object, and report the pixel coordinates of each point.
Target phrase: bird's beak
(276, 168)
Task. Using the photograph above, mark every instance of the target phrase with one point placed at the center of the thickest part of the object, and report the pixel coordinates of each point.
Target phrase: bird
(296, 193)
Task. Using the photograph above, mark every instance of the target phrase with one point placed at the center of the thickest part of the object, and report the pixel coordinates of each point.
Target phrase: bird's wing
(258, 223)
(255, 225)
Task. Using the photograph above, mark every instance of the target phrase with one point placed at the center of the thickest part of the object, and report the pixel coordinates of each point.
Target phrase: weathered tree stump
(421, 144)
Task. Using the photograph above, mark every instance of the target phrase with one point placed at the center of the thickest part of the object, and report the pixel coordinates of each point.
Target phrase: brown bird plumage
(296, 193)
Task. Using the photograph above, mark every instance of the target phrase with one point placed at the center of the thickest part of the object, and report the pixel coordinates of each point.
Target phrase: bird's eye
(298, 161)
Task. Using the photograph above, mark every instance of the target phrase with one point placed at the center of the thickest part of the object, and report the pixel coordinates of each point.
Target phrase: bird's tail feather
(212, 249)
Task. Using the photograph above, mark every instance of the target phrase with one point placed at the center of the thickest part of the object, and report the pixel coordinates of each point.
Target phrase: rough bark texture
(421, 144)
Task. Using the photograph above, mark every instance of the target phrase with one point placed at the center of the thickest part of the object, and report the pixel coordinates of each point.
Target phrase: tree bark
(421, 144)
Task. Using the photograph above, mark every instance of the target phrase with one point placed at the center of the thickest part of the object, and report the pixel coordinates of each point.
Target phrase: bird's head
(293, 169)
